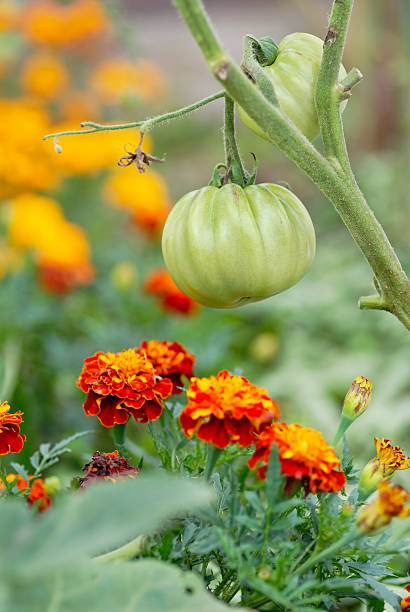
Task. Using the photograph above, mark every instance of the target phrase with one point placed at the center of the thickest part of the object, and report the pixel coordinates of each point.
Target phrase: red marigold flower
(405, 603)
(161, 285)
(61, 279)
(11, 440)
(304, 455)
(225, 409)
(36, 490)
(108, 466)
(170, 360)
(122, 384)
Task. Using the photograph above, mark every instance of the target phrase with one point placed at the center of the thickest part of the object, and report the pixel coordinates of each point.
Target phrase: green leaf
(21, 470)
(385, 593)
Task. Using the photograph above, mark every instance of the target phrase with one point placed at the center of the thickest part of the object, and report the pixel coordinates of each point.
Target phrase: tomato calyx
(265, 49)
(222, 175)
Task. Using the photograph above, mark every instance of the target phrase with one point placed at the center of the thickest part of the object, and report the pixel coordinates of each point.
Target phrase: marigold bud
(52, 484)
(390, 503)
(357, 398)
(389, 459)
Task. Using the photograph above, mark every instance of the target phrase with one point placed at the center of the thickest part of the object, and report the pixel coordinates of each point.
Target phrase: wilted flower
(304, 455)
(36, 490)
(405, 603)
(106, 466)
(170, 360)
(226, 409)
(390, 503)
(357, 398)
(160, 284)
(389, 459)
(11, 440)
(120, 385)
(45, 76)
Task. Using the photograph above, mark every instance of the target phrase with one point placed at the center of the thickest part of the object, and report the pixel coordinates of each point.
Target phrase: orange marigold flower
(11, 440)
(170, 360)
(45, 76)
(389, 459)
(36, 490)
(161, 285)
(225, 409)
(390, 503)
(122, 384)
(108, 466)
(304, 455)
(405, 603)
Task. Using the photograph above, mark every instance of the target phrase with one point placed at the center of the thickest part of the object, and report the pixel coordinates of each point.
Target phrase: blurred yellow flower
(115, 79)
(79, 106)
(10, 258)
(57, 24)
(31, 217)
(9, 12)
(45, 76)
(145, 195)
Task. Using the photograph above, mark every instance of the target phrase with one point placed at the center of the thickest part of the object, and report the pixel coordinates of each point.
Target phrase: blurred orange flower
(144, 195)
(120, 385)
(405, 603)
(161, 285)
(61, 24)
(11, 440)
(390, 503)
(79, 106)
(304, 455)
(226, 409)
(106, 466)
(37, 490)
(9, 12)
(116, 79)
(45, 76)
(170, 360)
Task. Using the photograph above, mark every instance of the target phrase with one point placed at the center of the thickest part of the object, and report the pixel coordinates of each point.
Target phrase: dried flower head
(106, 466)
(161, 285)
(226, 409)
(170, 360)
(304, 455)
(389, 459)
(390, 503)
(120, 385)
(11, 440)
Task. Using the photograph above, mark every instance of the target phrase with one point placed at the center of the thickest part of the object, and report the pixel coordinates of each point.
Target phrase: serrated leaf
(387, 595)
(35, 459)
(44, 449)
(21, 470)
(70, 439)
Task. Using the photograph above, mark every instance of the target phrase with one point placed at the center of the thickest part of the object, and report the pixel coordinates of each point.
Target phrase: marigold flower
(45, 76)
(106, 466)
(304, 455)
(226, 409)
(36, 490)
(122, 384)
(11, 440)
(144, 195)
(389, 503)
(357, 398)
(161, 285)
(78, 104)
(389, 459)
(9, 12)
(405, 603)
(170, 360)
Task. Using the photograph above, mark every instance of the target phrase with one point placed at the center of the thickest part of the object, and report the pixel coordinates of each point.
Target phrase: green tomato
(294, 76)
(225, 247)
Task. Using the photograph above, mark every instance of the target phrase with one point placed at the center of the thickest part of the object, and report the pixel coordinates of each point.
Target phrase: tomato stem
(253, 67)
(235, 171)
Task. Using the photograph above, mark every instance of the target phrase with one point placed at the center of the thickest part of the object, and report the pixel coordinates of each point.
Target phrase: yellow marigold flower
(389, 459)
(9, 12)
(11, 440)
(357, 398)
(57, 24)
(144, 195)
(390, 503)
(45, 76)
(33, 218)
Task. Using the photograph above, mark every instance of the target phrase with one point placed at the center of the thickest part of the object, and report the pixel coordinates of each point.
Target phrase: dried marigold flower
(304, 455)
(36, 490)
(389, 459)
(226, 409)
(160, 284)
(389, 503)
(106, 466)
(358, 397)
(170, 360)
(122, 384)
(11, 440)
(405, 603)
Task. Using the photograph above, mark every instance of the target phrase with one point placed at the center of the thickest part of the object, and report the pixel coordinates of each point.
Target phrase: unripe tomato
(294, 76)
(228, 246)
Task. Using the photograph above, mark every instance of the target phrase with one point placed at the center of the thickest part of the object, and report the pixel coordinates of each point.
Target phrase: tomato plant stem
(335, 179)
(233, 158)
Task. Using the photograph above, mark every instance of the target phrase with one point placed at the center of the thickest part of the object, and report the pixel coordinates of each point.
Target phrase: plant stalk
(233, 158)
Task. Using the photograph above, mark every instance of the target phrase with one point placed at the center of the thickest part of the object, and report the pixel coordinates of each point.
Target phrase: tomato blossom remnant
(389, 459)
(120, 385)
(37, 491)
(11, 440)
(389, 503)
(106, 466)
(304, 455)
(226, 409)
(405, 603)
(172, 299)
(170, 360)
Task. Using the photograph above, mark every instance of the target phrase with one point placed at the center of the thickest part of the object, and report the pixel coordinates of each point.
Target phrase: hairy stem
(233, 158)
(343, 193)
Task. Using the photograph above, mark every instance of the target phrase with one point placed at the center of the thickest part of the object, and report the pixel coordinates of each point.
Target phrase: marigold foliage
(304, 455)
(390, 503)
(226, 409)
(11, 440)
(170, 360)
(161, 285)
(120, 385)
(106, 466)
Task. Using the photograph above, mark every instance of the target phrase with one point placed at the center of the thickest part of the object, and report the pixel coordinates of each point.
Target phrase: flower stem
(211, 459)
(123, 553)
(344, 425)
(233, 158)
(145, 125)
(326, 552)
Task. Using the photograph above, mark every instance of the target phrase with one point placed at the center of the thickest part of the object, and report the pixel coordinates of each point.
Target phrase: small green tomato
(294, 76)
(228, 246)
